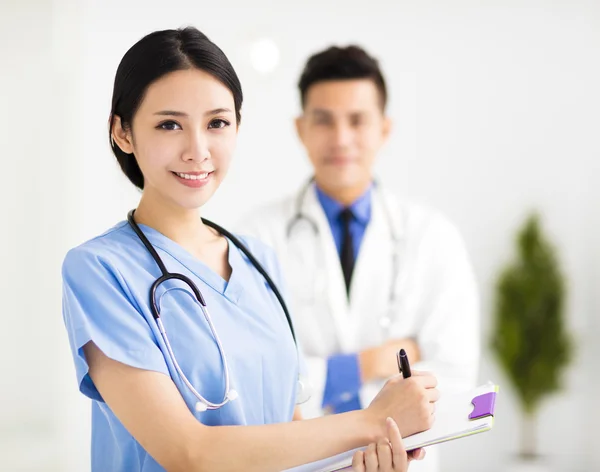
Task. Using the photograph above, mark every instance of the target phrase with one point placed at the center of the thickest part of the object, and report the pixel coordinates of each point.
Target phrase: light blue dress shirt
(343, 382)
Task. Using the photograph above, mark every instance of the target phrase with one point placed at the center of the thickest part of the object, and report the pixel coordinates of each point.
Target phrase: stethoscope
(299, 215)
(303, 391)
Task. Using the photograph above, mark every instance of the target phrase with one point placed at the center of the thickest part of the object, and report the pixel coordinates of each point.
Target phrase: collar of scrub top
(241, 246)
(303, 388)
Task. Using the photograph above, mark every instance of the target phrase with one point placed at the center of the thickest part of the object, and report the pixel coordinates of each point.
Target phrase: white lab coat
(438, 301)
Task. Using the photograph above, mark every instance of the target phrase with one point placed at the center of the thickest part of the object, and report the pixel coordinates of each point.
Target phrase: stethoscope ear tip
(232, 395)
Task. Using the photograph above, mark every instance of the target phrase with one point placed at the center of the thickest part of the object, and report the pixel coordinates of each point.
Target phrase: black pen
(403, 365)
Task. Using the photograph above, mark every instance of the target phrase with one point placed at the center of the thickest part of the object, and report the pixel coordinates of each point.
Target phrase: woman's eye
(217, 124)
(169, 126)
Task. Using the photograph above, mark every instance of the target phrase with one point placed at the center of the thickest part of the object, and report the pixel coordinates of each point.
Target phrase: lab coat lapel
(372, 272)
(335, 292)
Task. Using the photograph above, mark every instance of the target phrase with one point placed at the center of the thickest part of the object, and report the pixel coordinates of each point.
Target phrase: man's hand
(380, 363)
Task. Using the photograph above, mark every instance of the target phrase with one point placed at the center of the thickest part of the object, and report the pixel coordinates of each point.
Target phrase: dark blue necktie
(347, 252)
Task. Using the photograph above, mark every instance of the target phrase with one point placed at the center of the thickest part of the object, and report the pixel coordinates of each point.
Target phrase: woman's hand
(410, 402)
(387, 455)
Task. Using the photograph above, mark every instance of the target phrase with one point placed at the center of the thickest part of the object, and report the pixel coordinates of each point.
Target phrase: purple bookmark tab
(484, 406)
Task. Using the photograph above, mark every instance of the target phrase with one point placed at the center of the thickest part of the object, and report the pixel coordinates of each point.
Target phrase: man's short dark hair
(342, 63)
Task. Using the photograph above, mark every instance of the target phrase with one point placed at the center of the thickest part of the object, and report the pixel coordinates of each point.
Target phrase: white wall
(27, 359)
(495, 110)
(40, 140)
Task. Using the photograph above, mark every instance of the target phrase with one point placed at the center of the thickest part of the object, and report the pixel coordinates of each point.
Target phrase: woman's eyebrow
(216, 111)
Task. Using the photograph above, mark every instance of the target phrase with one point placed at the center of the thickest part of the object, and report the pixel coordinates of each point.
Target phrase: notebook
(457, 416)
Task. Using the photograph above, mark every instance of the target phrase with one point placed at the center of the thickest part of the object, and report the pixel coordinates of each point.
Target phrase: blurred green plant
(529, 338)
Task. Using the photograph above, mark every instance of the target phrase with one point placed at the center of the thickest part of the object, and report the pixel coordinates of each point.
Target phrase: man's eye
(322, 121)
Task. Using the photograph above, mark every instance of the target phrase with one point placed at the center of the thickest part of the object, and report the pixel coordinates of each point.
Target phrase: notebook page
(452, 422)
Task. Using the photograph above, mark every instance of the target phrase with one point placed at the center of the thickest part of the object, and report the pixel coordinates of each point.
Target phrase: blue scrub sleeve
(343, 383)
(98, 307)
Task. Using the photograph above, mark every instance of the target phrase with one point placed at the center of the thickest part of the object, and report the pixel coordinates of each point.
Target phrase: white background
(496, 107)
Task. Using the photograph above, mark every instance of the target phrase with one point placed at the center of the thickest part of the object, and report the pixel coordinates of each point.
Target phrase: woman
(183, 380)
(387, 455)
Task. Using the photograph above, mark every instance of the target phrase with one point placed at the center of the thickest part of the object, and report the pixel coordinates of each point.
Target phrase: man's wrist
(412, 348)
(366, 363)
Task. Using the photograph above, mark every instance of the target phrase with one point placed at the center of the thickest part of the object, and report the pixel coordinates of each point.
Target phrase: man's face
(343, 128)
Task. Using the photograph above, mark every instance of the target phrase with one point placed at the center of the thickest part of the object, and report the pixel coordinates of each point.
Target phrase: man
(367, 274)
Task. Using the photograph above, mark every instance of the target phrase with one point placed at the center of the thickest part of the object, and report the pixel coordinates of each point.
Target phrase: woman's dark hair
(152, 57)
(337, 63)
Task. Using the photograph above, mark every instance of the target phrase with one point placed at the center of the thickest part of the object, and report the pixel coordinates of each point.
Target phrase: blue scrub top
(106, 284)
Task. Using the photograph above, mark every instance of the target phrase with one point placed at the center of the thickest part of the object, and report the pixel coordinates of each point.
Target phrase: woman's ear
(121, 137)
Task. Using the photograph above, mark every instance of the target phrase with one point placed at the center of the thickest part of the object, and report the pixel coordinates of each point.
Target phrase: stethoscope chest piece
(304, 391)
(385, 322)
(202, 404)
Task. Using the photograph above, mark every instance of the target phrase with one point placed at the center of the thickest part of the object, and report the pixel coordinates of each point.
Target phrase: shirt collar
(361, 207)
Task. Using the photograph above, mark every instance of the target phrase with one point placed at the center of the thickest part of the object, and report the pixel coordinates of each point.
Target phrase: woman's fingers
(399, 458)
(371, 461)
(426, 379)
(420, 372)
(384, 455)
(387, 455)
(358, 462)
(433, 394)
(416, 455)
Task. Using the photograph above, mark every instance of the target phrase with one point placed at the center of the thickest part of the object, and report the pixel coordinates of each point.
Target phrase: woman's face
(183, 137)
